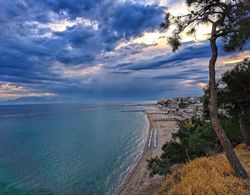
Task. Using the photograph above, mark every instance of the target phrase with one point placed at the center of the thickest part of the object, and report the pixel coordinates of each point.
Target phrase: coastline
(137, 180)
(130, 173)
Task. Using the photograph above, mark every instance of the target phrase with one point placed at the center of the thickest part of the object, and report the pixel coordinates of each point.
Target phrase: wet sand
(138, 181)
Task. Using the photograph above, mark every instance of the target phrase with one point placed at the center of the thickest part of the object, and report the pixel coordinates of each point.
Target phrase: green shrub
(194, 138)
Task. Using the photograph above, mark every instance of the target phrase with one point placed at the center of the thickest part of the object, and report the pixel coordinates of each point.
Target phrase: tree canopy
(229, 17)
(237, 82)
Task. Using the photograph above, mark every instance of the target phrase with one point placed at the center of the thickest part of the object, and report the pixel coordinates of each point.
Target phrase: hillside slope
(208, 175)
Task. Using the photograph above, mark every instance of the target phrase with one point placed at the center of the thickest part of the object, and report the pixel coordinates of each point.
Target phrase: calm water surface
(68, 149)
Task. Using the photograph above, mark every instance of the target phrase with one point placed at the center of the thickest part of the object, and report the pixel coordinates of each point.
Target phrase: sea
(69, 148)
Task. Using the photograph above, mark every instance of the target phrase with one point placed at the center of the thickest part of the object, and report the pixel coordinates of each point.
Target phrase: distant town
(182, 108)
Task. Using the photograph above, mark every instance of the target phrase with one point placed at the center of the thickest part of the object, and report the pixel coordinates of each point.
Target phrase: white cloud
(75, 72)
(62, 25)
(187, 83)
(233, 59)
(59, 25)
(12, 91)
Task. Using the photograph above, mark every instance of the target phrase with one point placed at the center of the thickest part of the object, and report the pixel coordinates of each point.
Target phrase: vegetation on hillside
(234, 97)
(208, 175)
(195, 137)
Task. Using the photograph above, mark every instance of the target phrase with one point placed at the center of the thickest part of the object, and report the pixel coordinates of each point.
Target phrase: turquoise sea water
(69, 149)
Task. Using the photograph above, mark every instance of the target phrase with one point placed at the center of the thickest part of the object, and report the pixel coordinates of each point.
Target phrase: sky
(99, 51)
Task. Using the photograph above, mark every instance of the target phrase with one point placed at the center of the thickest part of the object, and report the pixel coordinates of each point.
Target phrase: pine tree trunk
(226, 144)
(243, 126)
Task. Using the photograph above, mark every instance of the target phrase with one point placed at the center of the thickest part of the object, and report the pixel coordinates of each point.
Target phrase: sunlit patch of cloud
(11, 87)
(150, 38)
(13, 91)
(187, 83)
(62, 25)
(202, 85)
(59, 25)
(75, 72)
(233, 59)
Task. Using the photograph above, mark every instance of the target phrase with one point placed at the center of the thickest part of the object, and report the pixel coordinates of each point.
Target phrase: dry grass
(208, 175)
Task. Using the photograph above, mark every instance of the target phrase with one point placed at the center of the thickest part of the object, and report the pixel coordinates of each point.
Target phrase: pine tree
(229, 21)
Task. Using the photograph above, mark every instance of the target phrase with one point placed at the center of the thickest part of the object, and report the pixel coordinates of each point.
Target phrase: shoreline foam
(129, 173)
(137, 180)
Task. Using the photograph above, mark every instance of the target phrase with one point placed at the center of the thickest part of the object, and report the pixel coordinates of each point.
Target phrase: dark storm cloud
(29, 47)
(121, 21)
(173, 59)
(36, 51)
(75, 8)
(133, 19)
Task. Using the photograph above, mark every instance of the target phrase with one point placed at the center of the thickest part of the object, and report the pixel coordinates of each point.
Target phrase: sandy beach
(138, 181)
